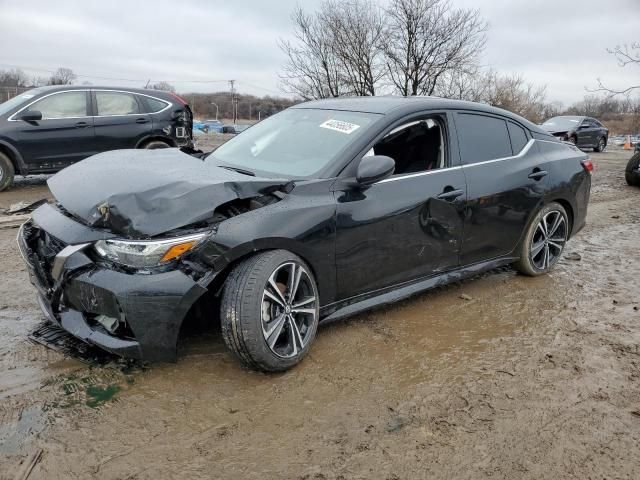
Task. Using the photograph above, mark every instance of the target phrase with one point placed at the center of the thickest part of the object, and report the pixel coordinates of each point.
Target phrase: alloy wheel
(602, 145)
(289, 310)
(548, 240)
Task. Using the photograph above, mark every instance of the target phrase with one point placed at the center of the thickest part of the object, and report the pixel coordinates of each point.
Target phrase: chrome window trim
(169, 104)
(12, 119)
(522, 153)
(419, 174)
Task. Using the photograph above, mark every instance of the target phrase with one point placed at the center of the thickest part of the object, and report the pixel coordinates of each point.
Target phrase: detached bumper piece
(133, 315)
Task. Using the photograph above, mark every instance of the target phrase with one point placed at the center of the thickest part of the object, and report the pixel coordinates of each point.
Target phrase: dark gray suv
(46, 129)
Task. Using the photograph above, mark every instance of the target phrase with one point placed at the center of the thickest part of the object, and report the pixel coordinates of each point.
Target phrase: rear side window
(518, 137)
(62, 105)
(116, 103)
(155, 105)
(482, 138)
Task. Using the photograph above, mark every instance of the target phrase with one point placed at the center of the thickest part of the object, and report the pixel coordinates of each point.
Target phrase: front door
(64, 135)
(120, 121)
(409, 225)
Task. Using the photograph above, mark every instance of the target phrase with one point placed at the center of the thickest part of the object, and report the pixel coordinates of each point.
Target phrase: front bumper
(74, 292)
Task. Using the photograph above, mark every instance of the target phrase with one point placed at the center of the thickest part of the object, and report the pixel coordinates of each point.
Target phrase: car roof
(59, 88)
(386, 105)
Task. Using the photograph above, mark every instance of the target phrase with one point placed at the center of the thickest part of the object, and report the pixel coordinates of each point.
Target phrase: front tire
(602, 144)
(7, 172)
(269, 311)
(544, 241)
(632, 172)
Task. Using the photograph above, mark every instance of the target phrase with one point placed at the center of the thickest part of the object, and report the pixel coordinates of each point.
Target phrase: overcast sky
(557, 43)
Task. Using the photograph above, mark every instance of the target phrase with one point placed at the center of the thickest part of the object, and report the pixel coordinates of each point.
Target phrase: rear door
(506, 180)
(64, 135)
(120, 120)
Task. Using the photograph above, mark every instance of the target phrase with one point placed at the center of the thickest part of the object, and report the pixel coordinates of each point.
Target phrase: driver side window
(416, 146)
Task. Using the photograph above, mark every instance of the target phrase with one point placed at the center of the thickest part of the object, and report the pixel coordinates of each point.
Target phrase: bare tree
(625, 55)
(164, 86)
(13, 78)
(426, 39)
(62, 76)
(513, 93)
(356, 29)
(336, 52)
(312, 68)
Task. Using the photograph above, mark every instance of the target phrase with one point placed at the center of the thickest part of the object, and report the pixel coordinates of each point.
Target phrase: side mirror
(374, 168)
(31, 116)
(582, 127)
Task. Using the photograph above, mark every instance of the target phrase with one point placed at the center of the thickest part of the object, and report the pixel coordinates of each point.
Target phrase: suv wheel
(270, 310)
(632, 172)
(545, 239)
(154, 144)
(602, 144)
(7, 172)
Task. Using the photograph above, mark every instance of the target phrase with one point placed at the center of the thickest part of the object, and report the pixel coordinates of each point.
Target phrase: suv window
(417, 146)
(482, 138)
(62, 105)
(518, 137)
(116, 103)
(155, 105)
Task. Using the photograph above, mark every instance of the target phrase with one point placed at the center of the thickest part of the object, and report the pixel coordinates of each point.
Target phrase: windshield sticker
(340, 126)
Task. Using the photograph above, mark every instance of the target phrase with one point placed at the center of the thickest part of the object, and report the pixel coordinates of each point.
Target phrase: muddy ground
(501, 377)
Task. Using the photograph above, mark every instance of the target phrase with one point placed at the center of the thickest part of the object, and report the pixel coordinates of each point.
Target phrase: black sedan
(632, 171)
(326, 209)
(585, 132)
(46, 129)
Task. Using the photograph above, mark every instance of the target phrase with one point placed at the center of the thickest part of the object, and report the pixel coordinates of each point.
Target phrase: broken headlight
(146, 253)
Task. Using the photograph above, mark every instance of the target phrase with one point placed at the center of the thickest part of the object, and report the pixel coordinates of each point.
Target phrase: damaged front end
(117, 264)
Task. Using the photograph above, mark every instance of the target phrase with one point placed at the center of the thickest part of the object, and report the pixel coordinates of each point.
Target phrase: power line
(98, 77)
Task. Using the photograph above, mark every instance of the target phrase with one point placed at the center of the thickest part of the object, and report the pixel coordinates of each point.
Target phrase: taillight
(587, 165)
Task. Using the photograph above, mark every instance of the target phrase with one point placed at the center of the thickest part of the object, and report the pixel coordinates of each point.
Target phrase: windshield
(294, 143)
(18, 100)
(565, 123)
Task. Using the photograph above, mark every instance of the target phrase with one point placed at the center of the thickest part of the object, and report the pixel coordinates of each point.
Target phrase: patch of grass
(97, 395)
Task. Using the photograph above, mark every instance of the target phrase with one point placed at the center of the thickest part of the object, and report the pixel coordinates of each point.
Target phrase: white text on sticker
(339, 126)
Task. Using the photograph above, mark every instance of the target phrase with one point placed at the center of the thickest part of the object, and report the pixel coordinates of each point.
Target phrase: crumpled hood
(143, 193)
(554, 130)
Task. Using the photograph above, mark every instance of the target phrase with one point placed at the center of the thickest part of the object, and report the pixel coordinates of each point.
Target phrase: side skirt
(367, 301)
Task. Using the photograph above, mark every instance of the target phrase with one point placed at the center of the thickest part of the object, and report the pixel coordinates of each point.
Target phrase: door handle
(450, 194)
(538, 174)
(82, 125)
(142, 120)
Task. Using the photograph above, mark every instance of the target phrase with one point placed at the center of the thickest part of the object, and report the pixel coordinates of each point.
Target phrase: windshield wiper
(239, 170)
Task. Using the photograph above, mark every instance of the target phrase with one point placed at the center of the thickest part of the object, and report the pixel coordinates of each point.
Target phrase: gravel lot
(501, 376)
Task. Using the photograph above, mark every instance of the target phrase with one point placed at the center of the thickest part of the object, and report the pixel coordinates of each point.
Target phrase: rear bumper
(149, 308)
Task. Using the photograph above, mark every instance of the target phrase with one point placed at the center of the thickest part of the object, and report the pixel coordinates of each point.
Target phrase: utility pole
(234, 106)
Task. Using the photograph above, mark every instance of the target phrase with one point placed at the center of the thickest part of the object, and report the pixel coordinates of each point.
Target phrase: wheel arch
(568, 207)
(14, 156)
(151, 138)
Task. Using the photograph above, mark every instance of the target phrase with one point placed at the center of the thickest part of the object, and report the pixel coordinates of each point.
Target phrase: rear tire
(632, 174)
(544, 240)
(602, 144)
(7, 172)
(269, 311)
(155, 144)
